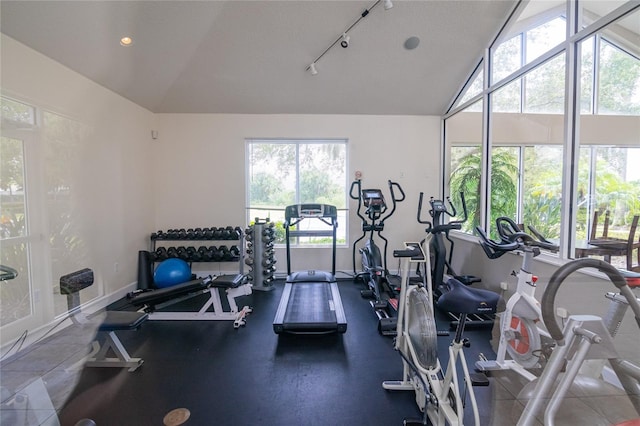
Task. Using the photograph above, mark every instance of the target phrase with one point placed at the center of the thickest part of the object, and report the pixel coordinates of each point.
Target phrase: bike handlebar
(558, 277)
(512, 238)
(7, 273)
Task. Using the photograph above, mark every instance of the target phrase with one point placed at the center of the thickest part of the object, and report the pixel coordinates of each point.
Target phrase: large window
(548, 166)
(286, 172)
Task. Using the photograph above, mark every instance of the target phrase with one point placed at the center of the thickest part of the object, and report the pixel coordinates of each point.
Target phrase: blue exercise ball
(171, 272)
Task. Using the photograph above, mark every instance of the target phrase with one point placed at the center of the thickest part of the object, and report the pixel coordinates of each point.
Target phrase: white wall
(200, 175)
(109, 177)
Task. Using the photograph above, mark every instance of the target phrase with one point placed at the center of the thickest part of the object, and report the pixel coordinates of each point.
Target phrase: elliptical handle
(393, 195)
(394, 199)
(420, 220)
(358, 183)
(464, 209)
(355, 183)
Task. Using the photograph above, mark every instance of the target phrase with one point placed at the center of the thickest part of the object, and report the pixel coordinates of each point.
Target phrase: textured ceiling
(250, 56)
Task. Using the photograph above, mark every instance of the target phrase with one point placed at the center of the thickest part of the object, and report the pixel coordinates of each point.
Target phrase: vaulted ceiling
(251, 57)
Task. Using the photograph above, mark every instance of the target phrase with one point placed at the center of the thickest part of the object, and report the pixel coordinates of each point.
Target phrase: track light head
(388, 4)
(345, 40)
(312, 68)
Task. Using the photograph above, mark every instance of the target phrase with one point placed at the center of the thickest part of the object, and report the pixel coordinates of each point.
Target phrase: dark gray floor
(247, 376)
(226, 376)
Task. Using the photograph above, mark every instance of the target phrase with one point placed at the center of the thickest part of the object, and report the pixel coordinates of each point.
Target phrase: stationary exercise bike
(527, 344)
(439, 393)
(441, 269)
(584, 340)
(374, 263)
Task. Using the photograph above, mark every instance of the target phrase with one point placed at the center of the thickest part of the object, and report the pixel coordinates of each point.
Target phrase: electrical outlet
(562, 313)
(504, 285)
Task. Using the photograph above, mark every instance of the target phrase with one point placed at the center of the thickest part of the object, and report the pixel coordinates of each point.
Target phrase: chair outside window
(617, 246)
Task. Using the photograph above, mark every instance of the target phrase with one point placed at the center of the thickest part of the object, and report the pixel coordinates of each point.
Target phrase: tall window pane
(609, 180)
(15, 294)
(463, 132)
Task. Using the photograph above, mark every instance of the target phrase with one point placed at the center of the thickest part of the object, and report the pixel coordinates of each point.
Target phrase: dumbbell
(182, 253)
(235, 251)
(193, 255)
(216, 253)
(224, 252)
(161, 253)
(208, 233)
(198, 233)
(205, 254)
(172, 252)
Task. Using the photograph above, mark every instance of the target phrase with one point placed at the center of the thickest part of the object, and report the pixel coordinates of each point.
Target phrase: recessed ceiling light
(411, 43)
(126, 41)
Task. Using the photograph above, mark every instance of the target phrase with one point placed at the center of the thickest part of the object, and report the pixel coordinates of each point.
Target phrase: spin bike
(439, 393)
(374, 264)
(584, 339)
(520, 336)
(441, 268)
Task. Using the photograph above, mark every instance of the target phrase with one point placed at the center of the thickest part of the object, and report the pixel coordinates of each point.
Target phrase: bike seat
(457, 298)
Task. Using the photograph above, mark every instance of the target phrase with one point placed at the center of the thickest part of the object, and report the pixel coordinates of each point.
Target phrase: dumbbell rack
(260, 254)
(190, 254)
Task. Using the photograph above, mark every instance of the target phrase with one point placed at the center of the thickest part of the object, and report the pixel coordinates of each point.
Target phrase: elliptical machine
(440, 261)
(374, 264)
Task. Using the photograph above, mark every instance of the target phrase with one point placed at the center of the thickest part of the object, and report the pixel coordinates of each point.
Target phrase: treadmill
(310, 302)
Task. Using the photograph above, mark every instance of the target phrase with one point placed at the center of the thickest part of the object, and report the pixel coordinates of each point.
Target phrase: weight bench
(106, 322)
(233, 285)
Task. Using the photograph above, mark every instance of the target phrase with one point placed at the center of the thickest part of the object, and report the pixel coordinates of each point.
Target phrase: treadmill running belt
(310, 304)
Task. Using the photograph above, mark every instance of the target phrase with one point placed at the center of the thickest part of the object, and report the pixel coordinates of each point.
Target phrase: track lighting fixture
(343, 39)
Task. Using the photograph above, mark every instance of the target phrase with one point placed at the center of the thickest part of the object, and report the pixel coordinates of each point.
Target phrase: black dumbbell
(216, 255)
(225, 254)
(193, 255)
(182, 253)
(161, 254)
(172, 252)
(204, 254)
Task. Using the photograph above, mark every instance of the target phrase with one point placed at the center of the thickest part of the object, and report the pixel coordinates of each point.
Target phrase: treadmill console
(310, 210)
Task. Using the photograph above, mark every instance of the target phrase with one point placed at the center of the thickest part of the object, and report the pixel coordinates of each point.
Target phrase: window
(16, 296)
(285, 172)
(533, 177)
